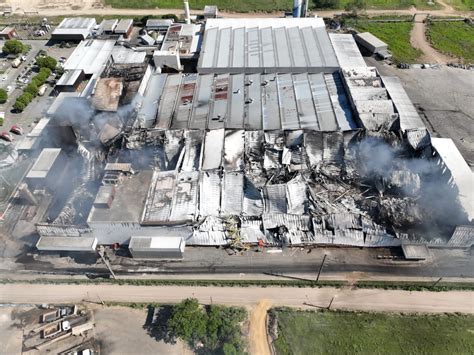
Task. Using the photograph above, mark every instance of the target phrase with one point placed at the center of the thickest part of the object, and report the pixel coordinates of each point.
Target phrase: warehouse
(70, 80)
(371, 43)
(163, 247)
(124, 27)
(265, 45)
(74, 29)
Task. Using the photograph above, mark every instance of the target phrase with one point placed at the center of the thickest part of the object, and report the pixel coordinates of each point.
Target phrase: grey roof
(75, 26)
(123, 55)
(109, 25)
(90, 56)
(415, 251)
(254, 102)
(266, 45)
(147, 39)
(158, 23)
(461, 174)
(128, 201)
(138, 243)
(67, 244)
(369, 41)
(409, 118)
(123, 26)
(69, 77)
(44, 163)
(347, 52)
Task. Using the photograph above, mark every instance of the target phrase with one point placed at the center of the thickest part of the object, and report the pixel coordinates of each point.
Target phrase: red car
(16, 130)
(6, 136)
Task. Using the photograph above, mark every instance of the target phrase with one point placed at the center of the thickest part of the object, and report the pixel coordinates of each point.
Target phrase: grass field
(453, 38)
(462, 5)
(267, 5)
(396, 35)
(325, 332)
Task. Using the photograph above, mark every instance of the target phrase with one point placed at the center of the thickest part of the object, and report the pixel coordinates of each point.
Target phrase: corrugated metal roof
(347, 52)
(44, 163)
(123, 25)
(232, 193)
(266, 45)
(69, 77)
(463, 237)
(90, 56)
(124, 55)
(461, 173)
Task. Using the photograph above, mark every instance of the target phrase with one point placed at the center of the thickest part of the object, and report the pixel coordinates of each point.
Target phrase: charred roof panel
(232, 193)
(234, 145)
(193, 141)
(202, 102)
(274, 197)
(218, 114)
(185, 197)
(185, 102)
(168, 101)
(210, 193)
(158, 202)
(213, 148)
(340, 102)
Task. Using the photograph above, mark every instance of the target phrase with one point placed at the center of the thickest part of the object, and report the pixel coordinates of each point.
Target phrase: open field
(269, 5)
(396, 35)
(394, 4)
(325, 332)
(461, 5)
(453, 38)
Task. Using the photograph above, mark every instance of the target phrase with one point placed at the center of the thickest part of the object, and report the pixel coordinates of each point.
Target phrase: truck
(16, 62)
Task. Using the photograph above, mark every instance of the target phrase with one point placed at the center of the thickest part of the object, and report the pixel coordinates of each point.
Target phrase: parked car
(6, 136)
(16, 130)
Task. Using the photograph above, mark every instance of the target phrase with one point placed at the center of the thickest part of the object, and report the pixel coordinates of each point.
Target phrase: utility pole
(437, 282)
(101, 252)
(321, 267)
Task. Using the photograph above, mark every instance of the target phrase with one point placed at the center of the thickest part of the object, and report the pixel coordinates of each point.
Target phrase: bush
(3, 96)
(31, 89)
(46, 62)
(13, 46)
(19, 105)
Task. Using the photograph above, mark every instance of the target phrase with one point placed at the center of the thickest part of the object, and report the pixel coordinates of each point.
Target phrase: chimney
(297, 8)
(187, 13)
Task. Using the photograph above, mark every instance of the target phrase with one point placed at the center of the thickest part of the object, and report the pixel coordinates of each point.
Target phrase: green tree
(3, 96)
(46, 62)
(326, 4)
(19, 105)
(354, 6)
(13, 46)
(32, 89)
(27, 97)
(229, 349)
(188, 321)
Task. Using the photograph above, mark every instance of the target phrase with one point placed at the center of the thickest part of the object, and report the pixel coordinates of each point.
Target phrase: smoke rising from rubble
(424, 195)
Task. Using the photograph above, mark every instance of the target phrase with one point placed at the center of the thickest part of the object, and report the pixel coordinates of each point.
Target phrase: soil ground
(258, 328)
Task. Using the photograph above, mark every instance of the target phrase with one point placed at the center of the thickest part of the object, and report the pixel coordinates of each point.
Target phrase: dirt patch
(258, 328)
(418, 40)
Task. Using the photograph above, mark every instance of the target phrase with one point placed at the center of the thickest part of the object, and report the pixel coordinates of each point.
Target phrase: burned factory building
(246, 132)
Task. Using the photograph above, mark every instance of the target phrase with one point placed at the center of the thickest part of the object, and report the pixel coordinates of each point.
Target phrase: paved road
(358, 299)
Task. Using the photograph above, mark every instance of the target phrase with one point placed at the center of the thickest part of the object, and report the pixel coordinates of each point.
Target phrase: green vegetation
(339, 332)
(270, 5)
(207, 330)
(229, 5)
(462, 5)
(387, 285)
(453, 38)
(31, 90)
(46, 62)
(395, 34)
(14, 46)
(3, 96)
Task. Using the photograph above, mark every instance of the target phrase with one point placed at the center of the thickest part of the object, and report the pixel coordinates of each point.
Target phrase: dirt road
(418, 40)
(358, 299)
(258, 328)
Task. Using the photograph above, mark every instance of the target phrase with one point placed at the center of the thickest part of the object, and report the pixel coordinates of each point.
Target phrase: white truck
(16, 62)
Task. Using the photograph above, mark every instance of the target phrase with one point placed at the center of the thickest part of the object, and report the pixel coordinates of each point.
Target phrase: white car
(4, 78)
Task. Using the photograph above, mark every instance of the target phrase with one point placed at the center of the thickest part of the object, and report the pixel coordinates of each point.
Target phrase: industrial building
(244, 132)
(74, 29)
(8, 33)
